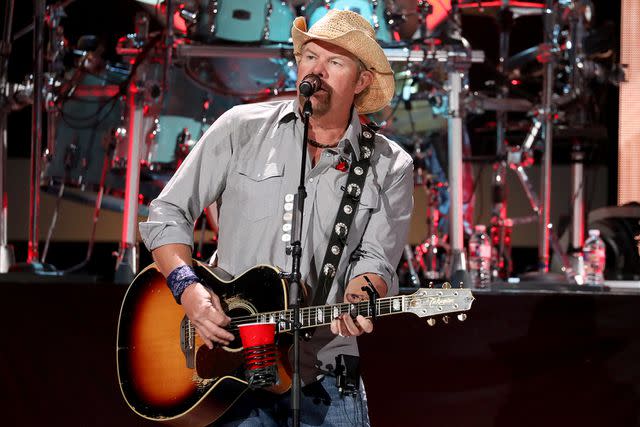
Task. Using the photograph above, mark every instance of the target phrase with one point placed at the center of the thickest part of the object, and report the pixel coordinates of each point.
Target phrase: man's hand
(344, 325)
(203, 308)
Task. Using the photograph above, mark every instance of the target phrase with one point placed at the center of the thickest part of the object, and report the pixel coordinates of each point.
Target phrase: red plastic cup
(259, 353)
(257, 334)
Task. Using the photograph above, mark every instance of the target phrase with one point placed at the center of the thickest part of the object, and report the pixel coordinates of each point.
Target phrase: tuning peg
(462, 317)
(446, 285)
(430, 284)
(461, 285)
(445, 319)
(431, 321)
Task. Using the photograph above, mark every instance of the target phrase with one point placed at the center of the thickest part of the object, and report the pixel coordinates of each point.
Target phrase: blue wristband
(179, 279)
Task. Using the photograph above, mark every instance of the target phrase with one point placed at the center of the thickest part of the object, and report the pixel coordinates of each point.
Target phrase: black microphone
(309, 85)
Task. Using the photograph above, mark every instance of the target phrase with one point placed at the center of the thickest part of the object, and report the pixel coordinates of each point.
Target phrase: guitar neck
(311, 317)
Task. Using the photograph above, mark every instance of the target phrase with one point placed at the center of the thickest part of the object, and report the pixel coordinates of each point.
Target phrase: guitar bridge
(188, 342)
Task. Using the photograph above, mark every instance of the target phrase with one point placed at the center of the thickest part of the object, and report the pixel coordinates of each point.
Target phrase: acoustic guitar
(166, 373)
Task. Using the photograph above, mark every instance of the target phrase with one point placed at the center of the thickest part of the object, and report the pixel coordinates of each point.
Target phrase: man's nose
(319, 69)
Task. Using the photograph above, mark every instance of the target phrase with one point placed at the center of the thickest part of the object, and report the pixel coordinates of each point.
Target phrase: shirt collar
(291, 112)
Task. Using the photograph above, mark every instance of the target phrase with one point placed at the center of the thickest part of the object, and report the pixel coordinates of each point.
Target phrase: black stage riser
(519, 359)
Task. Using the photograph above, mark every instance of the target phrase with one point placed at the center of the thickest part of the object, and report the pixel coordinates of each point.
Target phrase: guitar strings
(308, 313)
(311, 311)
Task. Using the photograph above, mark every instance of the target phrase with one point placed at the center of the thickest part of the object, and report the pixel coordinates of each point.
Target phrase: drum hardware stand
(428, 248)
(54, 218)
(501, 267)
(33, 254)
(518, 158)
(168, 47)
(547, 93)
(55, 52)
(457, 259)
(419, 181)
(96, 211)
(575, 55)
(577, 217)
(7, 257)
(33, 263)
(42, 16)
(458, 264)
(544, 226)
(127, 256)
(427, 252)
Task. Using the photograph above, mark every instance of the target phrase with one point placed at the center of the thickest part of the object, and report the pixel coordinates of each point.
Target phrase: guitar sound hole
(237, 313)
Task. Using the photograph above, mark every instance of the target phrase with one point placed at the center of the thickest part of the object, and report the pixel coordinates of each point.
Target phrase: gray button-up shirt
(249, 162)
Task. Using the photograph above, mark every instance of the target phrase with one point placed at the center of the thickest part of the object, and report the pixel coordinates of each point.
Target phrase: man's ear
(364, 81)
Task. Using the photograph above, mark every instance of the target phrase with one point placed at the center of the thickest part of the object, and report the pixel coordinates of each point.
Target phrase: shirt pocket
(259, 190)
(369, 202)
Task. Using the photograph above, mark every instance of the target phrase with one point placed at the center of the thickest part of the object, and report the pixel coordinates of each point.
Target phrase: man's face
(339, 72)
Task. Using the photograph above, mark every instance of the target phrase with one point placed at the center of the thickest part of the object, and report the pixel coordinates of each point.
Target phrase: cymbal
(522, 58)
(492, 7)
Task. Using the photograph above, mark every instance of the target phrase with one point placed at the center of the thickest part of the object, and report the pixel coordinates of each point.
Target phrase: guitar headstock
(430, 302)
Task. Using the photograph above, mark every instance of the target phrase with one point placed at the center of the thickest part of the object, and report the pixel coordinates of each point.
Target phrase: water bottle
(594, 259)
(480, 257)
(429, 258)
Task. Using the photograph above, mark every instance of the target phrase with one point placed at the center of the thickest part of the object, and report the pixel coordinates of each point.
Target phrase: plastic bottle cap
(594, 232)
(480, 227)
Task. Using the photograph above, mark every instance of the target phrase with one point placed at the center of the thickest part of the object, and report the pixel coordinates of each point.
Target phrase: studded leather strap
(344, 217)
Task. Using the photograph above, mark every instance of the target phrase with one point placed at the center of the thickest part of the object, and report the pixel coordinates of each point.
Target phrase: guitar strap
(344, 217)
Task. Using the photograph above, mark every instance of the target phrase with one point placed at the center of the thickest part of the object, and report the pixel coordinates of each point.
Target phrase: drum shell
(247, 21)
(84, 131)
(181, 106)
(376, 15)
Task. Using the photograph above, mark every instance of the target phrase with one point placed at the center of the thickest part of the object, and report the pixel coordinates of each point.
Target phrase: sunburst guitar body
(167, 374)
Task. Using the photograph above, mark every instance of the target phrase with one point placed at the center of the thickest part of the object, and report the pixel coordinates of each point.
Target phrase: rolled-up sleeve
(386, 233)
(197, 183)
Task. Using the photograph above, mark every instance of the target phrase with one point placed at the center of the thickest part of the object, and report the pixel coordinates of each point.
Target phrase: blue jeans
(320, 405)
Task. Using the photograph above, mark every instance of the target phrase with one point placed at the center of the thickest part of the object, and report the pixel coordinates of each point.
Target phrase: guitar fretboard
(323, 315)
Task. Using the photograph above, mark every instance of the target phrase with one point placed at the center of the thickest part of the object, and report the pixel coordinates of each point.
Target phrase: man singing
(249, 162)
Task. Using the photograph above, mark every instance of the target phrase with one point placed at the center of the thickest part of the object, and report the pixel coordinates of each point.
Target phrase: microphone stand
(295, 250)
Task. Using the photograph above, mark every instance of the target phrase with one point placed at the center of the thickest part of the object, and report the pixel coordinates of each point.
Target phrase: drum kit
(118, 131)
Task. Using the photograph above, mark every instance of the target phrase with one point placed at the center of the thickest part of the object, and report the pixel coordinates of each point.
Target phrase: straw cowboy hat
(353, 33)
